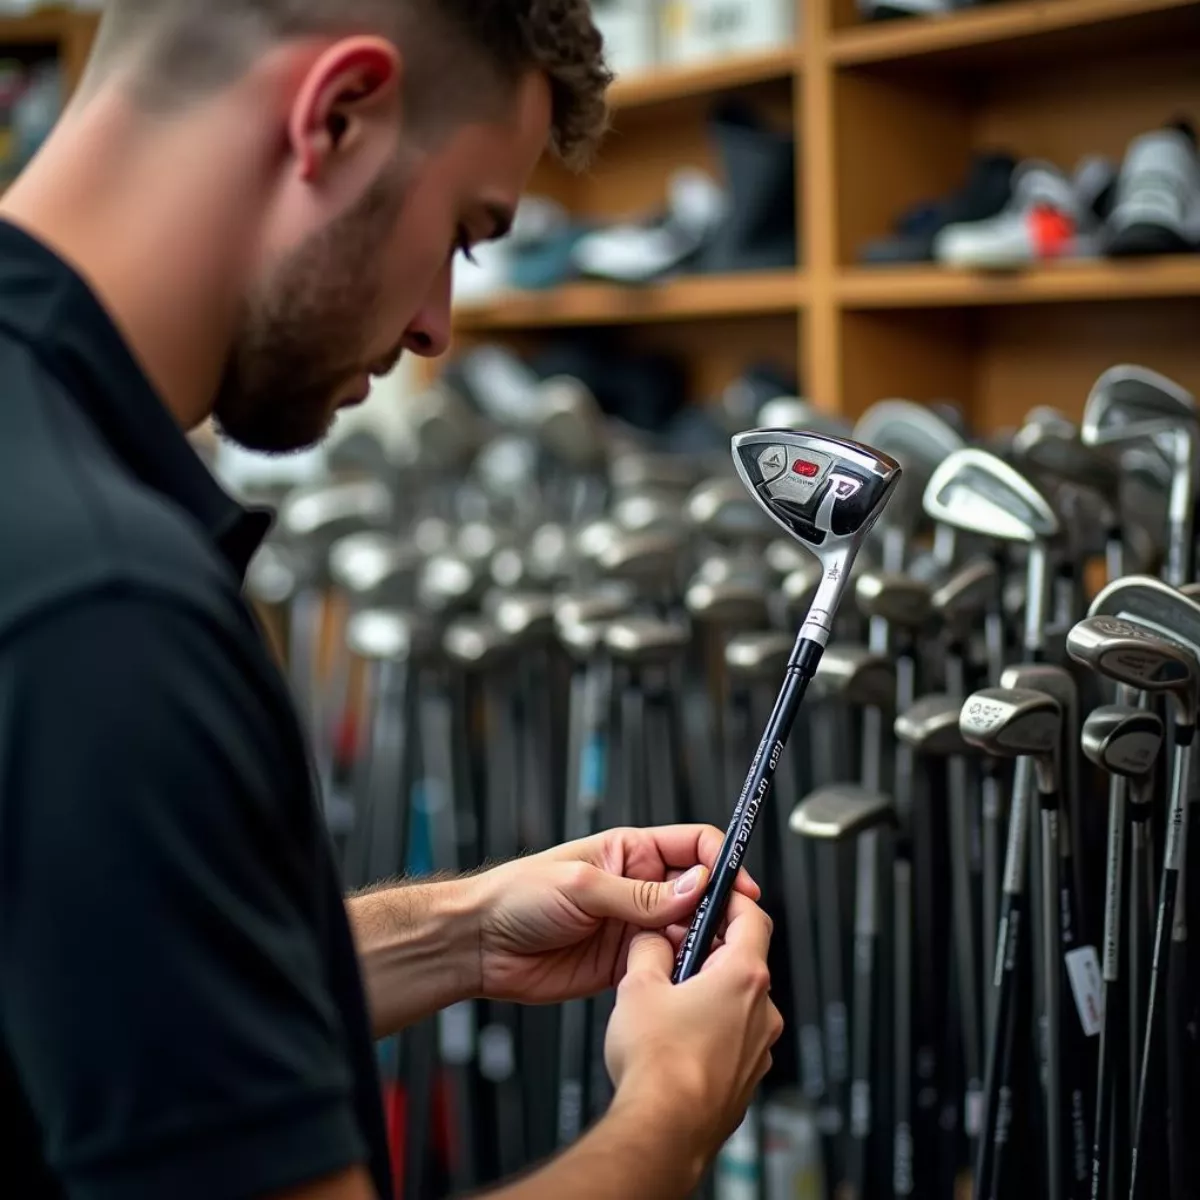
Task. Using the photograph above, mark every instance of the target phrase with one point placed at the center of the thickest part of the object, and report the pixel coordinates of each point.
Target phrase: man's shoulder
(74, 521)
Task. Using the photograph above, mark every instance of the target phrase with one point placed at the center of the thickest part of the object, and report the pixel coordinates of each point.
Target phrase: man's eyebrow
(502, 221)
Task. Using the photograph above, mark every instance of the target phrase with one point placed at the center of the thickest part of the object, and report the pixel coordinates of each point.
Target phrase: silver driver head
(1015, 723)
(841, 811)
(1130, 654)
(931, 726)
(827, 493)
(1123, 740)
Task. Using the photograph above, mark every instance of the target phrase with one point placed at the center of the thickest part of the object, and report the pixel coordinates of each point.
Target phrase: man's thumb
(652, 905)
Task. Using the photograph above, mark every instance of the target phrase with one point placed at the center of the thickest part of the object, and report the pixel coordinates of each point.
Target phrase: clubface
(1122, 740)
(931, 726)
(841, 811)
(1011, 721)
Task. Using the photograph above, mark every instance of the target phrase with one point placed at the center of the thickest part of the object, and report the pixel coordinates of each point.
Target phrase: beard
(302, 336)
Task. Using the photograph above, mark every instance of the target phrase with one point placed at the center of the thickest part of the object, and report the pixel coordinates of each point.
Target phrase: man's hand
(559, 925)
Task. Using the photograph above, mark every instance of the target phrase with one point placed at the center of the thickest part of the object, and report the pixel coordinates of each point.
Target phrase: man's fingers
(650, 954)
(635, 901)
(748, 929)
(682, 846)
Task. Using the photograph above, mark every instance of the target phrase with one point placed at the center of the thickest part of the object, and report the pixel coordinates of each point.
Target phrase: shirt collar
(46, 304)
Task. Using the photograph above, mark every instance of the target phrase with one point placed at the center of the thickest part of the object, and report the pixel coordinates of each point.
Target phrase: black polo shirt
(181, 1013)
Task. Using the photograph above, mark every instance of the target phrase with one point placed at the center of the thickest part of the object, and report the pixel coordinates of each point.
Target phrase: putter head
(390, 635)
(964, 597)
(372, 564)
(1123, 740)
(759, 655)
(475, 643)
(854, 675)
(840, 812)
(329, 511)
(1155, 606)
(825, 492)
(897, 599)
(721, 509)
(641, 641)
(1131, 654)
(570, 423)
(525, 618)
(1015, 723)
(976, 492)
(737, 603)
(931, 726)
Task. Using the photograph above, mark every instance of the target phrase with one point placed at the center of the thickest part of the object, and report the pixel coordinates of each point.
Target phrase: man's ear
(350, 96)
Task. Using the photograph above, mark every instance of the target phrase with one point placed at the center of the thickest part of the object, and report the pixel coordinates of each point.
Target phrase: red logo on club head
(805, 469)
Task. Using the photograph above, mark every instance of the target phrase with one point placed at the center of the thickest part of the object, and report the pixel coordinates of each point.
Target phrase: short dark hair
(182, 48)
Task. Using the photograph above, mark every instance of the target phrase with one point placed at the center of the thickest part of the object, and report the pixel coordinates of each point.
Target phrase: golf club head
(648, 561)
(897, 599)
(918, 439)
(509, 569)
(525, 618)
(931, 726)
(374, 565)
(662, 472)
(976, 492)
(583, 640)
(1153, 605)
(783, 556)
(1015, 723)
(598, 604)
(440, 430)
(720, 509)
(1123, 740)
(327, 512)
(840, 812)
(570, 422)
(390, 635)
(759, 656)
(448, 583)
(649, 511)
(475, 643)
(1129, 653)
(550, 556)
(856, 676)
(1130, 395)
(595, 537)
(736, 603)
(645, 640)
(790, 412)
(1056, 682)
(1059, 452)
(827, 493)
(1050, 419)
(963, 598)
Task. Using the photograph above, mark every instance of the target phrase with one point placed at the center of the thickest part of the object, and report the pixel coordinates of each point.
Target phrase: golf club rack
(532, 624)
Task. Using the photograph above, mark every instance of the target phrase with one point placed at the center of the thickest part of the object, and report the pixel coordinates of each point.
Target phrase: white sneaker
(1049, 216)
(1158, 195)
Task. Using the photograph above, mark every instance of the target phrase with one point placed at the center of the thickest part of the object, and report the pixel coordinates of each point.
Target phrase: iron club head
(1123, 740)
(1016, 723)
(841, 811)
(931, 726)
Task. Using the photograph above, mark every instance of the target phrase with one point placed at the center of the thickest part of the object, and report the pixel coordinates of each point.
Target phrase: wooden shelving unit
(60, 31)
(886, 115)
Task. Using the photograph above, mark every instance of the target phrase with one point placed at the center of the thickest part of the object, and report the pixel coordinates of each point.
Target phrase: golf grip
(802, 666)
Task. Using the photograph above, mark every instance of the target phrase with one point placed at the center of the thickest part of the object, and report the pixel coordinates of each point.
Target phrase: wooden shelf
(937, 287)
(44, 27)
(704, 79)
(697, 297)
(1014, 27)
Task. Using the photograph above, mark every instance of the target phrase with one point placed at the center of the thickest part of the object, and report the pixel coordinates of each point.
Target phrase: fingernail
(689, 882)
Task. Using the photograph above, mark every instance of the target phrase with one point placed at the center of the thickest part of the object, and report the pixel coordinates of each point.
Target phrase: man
(250, 208)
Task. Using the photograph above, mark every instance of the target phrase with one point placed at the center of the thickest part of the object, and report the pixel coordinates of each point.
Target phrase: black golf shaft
(802, 666)
(1155, 1017)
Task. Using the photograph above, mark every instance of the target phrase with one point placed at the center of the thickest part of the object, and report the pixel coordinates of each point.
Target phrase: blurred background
(805, 208)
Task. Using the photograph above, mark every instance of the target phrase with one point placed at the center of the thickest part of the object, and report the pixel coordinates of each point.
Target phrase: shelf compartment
(698, 297)
(666, 84)
(1079, 280)
(1014, 31)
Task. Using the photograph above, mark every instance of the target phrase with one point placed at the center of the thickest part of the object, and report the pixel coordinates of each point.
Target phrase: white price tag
(1083, 969)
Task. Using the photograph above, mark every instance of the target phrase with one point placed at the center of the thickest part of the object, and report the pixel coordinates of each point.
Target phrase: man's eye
(464, 246)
